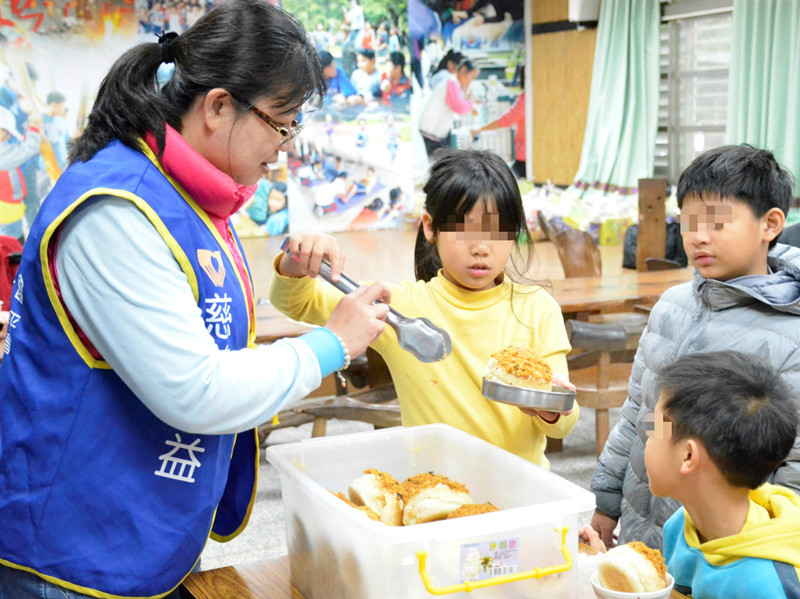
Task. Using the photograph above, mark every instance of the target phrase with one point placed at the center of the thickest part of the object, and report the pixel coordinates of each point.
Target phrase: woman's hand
(360, 317)
(358, 320)
(307, 252)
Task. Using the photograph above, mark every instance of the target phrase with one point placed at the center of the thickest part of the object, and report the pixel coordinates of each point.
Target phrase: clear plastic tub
(336, 552)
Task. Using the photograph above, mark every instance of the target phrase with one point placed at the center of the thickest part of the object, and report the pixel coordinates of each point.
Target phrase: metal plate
(557, 400)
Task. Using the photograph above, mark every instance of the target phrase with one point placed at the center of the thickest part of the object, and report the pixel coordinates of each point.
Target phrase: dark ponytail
(248, 47)
(128, 104)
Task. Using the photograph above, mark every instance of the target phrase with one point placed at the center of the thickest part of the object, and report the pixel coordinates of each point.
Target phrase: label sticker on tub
(489, 559)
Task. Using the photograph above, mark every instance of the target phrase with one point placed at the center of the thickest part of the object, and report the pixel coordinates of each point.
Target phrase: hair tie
(166, 39)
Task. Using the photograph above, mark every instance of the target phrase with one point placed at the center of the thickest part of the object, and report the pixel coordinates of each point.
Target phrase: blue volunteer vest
(96, 493)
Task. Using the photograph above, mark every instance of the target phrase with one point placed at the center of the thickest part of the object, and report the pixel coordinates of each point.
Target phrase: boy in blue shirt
(723, 423)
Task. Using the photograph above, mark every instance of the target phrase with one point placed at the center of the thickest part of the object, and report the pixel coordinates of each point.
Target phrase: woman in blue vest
(130, 384)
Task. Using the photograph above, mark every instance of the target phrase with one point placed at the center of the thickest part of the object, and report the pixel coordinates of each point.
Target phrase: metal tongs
(426, 341)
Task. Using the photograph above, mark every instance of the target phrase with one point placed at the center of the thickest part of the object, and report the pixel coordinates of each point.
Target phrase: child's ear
(690, 456)
(427, 227)
(773, 222)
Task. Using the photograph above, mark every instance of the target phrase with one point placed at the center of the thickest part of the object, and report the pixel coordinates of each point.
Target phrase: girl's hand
(589, 536)
(308, 250)
(563, 381)
(553, 417)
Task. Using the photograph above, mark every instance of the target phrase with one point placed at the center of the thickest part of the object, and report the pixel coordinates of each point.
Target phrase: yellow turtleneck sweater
(479, 323)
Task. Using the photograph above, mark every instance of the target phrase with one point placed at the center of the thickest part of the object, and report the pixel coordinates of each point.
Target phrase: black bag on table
(673, 249)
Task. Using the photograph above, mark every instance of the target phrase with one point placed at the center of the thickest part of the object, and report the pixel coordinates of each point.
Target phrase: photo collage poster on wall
(360, 161)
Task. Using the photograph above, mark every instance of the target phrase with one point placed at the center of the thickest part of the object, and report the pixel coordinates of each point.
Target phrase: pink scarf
(211, 189)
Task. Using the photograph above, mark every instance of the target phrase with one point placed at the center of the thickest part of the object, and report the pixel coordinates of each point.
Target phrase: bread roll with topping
(633, 568)
(428, 497)
(380, 492)
(520, 367)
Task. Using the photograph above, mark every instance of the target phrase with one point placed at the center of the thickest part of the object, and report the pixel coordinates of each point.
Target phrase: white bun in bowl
(632, 567)
(604, 593)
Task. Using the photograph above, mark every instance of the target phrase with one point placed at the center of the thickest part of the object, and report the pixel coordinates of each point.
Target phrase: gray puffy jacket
(754, 314)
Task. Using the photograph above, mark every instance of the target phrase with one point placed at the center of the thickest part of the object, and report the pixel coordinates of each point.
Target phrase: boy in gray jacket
(745, 297)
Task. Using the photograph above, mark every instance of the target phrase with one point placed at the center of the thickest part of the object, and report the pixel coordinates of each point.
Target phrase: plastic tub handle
(466, 587)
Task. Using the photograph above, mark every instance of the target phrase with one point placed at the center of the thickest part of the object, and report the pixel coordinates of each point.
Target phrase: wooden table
(269, 579)
(616, 293)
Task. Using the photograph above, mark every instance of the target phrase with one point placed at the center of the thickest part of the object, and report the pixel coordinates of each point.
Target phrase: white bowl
(603, 593)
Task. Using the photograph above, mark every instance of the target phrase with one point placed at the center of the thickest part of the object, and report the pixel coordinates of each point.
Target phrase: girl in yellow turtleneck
(473, 220)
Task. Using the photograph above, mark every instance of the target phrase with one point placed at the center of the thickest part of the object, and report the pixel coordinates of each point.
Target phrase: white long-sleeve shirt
(126, 291)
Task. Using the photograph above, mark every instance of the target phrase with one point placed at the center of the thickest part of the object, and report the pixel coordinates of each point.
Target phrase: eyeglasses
(287, 133)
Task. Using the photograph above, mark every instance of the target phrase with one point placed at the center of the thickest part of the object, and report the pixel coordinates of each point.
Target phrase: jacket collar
(779, 290)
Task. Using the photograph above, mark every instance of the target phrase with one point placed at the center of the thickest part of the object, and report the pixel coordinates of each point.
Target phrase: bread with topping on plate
(520, 367)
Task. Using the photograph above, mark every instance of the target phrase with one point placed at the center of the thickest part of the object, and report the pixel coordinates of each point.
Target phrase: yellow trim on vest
(85, 590)
(246, 519)
(251, 329)
(61, 313)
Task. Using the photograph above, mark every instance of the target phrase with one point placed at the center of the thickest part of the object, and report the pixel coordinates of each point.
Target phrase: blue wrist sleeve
(326, 348)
